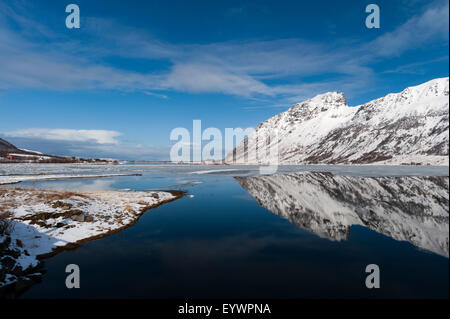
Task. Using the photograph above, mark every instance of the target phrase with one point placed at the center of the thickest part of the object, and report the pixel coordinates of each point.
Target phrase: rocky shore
(35, 224)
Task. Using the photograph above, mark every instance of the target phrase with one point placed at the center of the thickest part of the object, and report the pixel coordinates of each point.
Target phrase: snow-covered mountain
(12, 154)
(407, 127)
(413, 209)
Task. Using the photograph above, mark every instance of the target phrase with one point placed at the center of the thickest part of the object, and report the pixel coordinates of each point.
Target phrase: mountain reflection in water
(413, 209)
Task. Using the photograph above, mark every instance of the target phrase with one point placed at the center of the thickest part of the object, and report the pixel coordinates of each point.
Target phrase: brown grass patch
(57, 195)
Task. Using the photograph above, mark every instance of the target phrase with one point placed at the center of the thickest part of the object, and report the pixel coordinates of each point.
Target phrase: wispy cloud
(245, 68)
(96, 136)
(161, 96)
(120, 151)
(432, 24)
(415, 68)
(198, 78)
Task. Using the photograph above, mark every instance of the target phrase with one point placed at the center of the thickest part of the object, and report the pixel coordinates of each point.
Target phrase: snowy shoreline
(398, 160)
(15, 179)
(44, 222)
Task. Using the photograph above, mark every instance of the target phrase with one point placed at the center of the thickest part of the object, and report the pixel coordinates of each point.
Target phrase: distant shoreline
(237, 164)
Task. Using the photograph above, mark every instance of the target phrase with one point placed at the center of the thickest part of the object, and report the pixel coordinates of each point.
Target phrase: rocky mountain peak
(409, 127)
(322, 102)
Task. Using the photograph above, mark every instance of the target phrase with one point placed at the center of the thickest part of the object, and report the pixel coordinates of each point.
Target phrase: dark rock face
(6, 146)
(413, 209)
(10, 268)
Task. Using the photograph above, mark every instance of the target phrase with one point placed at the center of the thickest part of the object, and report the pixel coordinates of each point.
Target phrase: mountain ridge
(9, 153)
(409, 127)
(6, 146)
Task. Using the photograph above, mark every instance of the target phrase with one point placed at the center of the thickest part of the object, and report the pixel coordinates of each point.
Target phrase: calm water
(292, 235)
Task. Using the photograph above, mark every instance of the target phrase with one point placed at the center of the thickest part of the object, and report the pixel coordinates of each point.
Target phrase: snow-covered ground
(30, 151)
(29, 155)
(35, 169)
(44, 221)
(14, 179)
(434, 160)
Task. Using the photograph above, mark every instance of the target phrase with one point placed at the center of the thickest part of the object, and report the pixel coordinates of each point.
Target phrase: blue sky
(135, 70)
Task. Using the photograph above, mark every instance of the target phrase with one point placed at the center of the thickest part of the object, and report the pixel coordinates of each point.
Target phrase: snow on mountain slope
(29, 151)
(413, 209)
(405, 127)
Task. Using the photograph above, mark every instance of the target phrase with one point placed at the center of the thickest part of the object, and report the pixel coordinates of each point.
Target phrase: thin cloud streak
(235, 68)
(97, 136)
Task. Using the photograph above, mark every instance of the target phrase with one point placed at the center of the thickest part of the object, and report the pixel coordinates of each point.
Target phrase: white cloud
(415, 68)
(120, 151)
(209, 78)
(97, 136)
(433, 23)
(100, 144)
(161, 96)
(247, 68)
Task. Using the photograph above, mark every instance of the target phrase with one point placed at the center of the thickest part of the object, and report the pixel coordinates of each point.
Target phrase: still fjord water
(226, 242)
